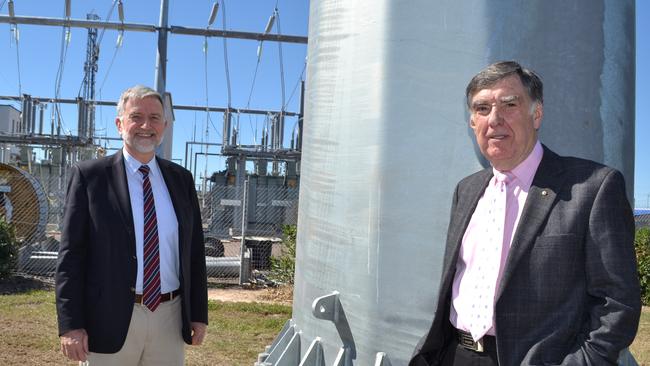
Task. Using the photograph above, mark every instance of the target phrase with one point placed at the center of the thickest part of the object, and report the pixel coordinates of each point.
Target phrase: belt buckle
(468, 342)
(479, 345)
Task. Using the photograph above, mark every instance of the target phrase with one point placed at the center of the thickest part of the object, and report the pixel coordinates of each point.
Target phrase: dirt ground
(231, 293)
(270, 295)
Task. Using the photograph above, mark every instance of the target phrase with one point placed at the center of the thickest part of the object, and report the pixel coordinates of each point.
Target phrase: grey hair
(136, 92)
(500, 70)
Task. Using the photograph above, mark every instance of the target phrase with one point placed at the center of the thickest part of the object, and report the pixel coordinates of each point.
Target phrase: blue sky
(39, 50)
(642, 145)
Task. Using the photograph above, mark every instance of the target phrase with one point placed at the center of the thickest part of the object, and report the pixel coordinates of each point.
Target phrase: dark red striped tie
(151, 276)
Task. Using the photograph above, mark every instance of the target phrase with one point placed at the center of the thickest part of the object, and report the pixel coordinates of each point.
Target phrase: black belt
(465, 340)
(163, 297)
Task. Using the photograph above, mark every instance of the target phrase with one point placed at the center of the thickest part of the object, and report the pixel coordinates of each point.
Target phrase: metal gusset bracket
(314, 355)
(329, 307)
(284, 341)
(343, 358)
(382, 359)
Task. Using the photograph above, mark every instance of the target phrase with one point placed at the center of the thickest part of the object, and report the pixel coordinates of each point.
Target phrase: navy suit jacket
(97, 266)
(570, 290)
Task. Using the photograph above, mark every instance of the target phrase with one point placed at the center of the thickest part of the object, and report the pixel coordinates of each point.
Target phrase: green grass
(236, 334)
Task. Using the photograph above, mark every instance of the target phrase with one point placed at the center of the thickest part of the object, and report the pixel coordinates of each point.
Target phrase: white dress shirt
(167, 222)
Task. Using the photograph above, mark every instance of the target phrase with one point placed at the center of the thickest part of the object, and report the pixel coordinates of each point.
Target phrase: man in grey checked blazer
(568, 292)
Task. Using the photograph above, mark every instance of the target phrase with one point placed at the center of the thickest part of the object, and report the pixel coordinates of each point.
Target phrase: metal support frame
(285, 349)
(162, 29)
(78, 23)
(43, 140)
(243, 276)
(175, 107)
(165, 148)
(87, 118)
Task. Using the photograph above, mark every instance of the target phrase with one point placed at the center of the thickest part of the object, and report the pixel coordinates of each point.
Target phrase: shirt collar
(525, 171)
(132, 164)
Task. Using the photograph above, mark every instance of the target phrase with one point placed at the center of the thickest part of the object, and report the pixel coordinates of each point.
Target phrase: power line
(295, 87)
(279, 32)
(225, 52)
(65, 40)
(118, 46)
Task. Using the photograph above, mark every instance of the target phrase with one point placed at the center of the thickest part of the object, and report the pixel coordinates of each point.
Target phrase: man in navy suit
(539, 267)
(131, 284)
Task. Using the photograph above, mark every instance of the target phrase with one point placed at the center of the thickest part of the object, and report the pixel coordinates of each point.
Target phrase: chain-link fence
(258, 211)
(33, 204)
(642, 217)
(31, 199)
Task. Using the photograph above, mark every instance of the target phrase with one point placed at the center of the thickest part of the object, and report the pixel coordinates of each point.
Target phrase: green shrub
(283, 267)
(642, 246)
(8, 249)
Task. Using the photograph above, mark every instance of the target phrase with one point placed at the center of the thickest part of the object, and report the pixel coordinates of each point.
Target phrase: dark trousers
(457, 355)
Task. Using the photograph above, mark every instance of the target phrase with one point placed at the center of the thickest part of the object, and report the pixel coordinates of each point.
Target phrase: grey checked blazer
(570, 291)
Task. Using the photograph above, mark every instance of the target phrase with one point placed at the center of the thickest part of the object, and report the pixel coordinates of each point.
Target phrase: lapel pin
(544, 193)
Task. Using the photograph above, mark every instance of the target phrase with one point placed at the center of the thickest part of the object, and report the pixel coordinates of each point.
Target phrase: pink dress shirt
(520, 179)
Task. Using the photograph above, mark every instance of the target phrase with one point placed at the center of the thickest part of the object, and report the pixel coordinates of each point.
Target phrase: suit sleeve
(614, 304)
(199, 287)
(71, 264)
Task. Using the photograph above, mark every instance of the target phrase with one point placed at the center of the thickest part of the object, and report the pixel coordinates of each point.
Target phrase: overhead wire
(269, 27)
(225, 52)
(65, 41)
(279, 32)
(108, 17)
(118, 43)
(295, 87)
(205, 71)
(118, 46)
(248, 103)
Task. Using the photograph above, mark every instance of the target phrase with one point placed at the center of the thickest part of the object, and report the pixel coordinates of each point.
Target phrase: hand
(199, 330)
(74, 344)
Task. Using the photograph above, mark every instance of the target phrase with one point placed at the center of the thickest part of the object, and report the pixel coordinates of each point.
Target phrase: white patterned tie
(489, 259)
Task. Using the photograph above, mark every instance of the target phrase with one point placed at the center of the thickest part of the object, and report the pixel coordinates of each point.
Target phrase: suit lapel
(174, 181)
(541, 196)
(116, 173)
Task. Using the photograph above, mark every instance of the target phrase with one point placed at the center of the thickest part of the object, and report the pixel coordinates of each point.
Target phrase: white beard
(143, 147)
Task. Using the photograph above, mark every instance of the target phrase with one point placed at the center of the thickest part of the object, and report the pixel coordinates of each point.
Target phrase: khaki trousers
(153, 339)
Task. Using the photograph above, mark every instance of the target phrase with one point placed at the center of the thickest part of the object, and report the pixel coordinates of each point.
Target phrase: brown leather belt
(163, 297)
(466, 341)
